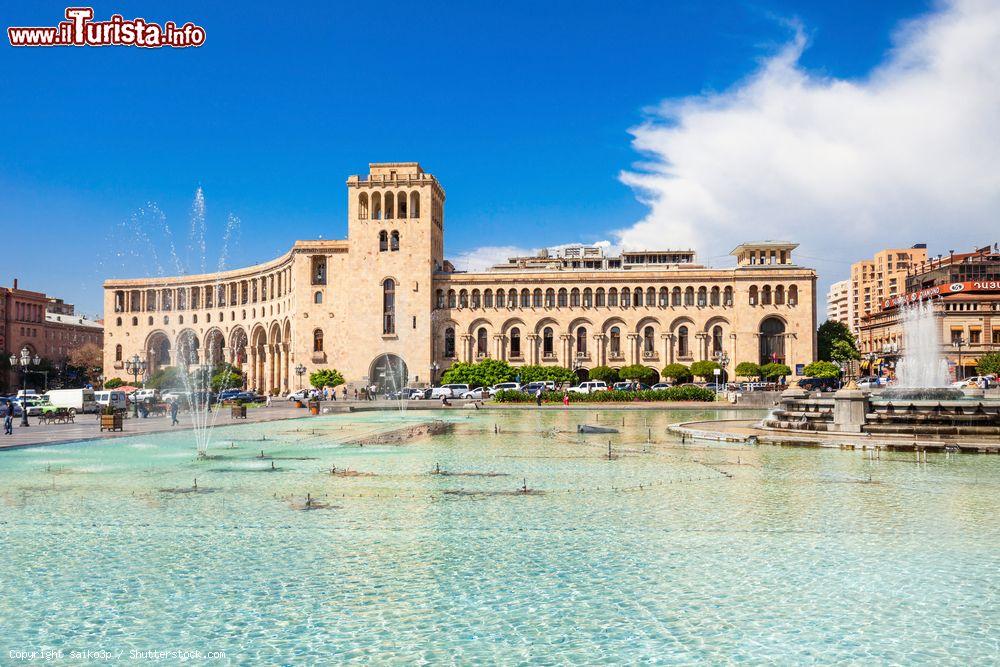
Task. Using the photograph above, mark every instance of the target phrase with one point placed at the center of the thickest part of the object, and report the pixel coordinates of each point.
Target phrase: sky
(846, 127)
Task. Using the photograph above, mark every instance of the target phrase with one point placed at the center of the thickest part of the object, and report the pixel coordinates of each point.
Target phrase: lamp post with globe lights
(24, 362)
(300, 370)
(135, 367)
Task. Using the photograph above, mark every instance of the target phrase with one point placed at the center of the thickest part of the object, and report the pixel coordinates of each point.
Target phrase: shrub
(605, 374)
(485, 373)
(226, 376)
(669, 394)
(747, 369)
(537, 373)
(677, 373)
(113, 383)
(326, 377)
(704, 369)
(637, 372)
(822, 369)
(989, 364)
(774, 371)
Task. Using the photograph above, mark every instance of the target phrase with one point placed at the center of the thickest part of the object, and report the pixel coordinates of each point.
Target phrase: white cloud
(909, 154)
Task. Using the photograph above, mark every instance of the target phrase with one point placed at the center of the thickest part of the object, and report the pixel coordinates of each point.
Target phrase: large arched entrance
(772, 341)
(157, 351)
(388, 373)
(187, 348)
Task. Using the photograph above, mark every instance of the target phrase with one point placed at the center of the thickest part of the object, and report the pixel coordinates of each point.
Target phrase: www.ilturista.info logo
(79, 29)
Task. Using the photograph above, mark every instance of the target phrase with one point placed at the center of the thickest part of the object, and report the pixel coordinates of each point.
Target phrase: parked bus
(79, 400)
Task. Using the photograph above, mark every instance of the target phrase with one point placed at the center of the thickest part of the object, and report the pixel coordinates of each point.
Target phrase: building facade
(882, 277)
(964, 290)
(45, 325)
(838, 302)
(384, 306)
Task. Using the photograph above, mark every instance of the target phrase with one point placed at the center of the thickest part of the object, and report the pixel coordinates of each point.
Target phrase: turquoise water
(657, 555)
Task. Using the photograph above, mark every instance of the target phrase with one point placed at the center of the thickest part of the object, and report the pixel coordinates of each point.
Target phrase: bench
(58, 416)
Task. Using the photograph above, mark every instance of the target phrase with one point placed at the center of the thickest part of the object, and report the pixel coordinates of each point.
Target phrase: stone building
(838, 302)
(384, 306)
(879, 278)
(964, 290)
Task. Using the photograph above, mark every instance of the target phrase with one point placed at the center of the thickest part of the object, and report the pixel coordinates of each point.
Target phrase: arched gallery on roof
(383, 305)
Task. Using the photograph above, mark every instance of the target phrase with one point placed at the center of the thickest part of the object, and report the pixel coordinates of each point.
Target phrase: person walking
(538, 397)
(267, 401)
(173, 413)
(345, 392)
(8, 419)
(566, 399)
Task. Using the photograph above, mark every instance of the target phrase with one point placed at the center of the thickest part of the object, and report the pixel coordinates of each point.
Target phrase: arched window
(118, 321)
(650, 296)
(550, 298)
(727, 296)
(439, 299)
(588, 297)
(118, 352)
(449, 343)
(318, 297)
(463, 299)
(488, 299)
(476, 302)
(536, 298)
(481, 342)
(599, 297)
(675, 297)
(716, 339)
(581, 341)
(414, 204)
(318, 340)
(574, 298)
(772, 341)
(401, 205)
(765, 295)
(394, 241)
(363, 206)
(135, 321)
(515, 342)
(702, 297)
(664, 297)
(688, 296)
(616, 341)
(793, 295)
(648, 340)
(452, 299)
(383, 241)
(753, 295)
(714, 298)
(501, 298)
(626, 297)
(563, 297)
(779, 295)
(389, 206)
(388, 306)
(150, 322)
(525, 298)
(512, 298)
(547, 339)
(637, 297)
(682, 342)
(612, 297)
(376, 206)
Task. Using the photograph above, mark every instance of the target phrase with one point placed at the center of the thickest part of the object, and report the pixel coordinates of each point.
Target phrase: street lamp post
(135, 367)
(24, 362)
(958, 344)
(300, 370)
(435, 367)
(722, 358)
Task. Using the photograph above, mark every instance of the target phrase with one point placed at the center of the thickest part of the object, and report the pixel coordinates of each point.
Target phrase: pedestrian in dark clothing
(8, 419)
(173, 414)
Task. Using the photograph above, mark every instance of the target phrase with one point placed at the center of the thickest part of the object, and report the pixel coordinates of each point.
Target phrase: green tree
(226, 376)
(774, 371)
(989, 364)
(747, 369)
(637, 372)
(326, 377)
(605, 374)
(822, 369)
(113, 383)
(704, 369)
(828, 333)
(677, 372)
(485, 373)
(537, 373)
(843, 351)
(170, 377)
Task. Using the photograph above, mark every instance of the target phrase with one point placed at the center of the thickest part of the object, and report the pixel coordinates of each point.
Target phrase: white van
(78, 400)
(589, 387)
(114, 398)
(449, 391)
(506, 386)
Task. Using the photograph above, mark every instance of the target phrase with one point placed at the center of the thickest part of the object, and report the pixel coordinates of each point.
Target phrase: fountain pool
(427, 552)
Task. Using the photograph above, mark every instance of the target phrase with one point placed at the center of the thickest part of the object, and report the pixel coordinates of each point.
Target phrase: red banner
(942, 290)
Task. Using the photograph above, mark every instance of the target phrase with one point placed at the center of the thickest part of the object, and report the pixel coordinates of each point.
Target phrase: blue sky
(523, 110)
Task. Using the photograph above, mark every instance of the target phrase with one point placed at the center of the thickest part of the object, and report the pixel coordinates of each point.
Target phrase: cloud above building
(908, 154)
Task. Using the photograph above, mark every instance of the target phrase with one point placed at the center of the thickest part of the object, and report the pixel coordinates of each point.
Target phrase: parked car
(630, 385)
(300, 395)
(819, 384)
(506, 386)
(544, 385)
(715, 386)
(481, 393)
(589, 387)
(144, 395)
(869, 382)
(981, 381)
(449, 391)
(661, 385)
(175, 396)
(36, 405)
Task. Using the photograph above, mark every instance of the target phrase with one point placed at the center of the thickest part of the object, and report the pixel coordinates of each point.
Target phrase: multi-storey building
(881, 277)
(46, 326)
(965, 292)
(384, 306)
(838, 302)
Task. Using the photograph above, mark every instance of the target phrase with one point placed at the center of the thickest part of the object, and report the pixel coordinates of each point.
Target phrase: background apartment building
(882, 277)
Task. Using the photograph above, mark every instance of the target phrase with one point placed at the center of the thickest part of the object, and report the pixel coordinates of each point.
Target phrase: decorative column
(600, 354)
(467, 347)
(668, 348)
(702, 345)
(566, 350)
(633, 348)
(532, 355)
(498, 347)
(252, 370)
(272, 367)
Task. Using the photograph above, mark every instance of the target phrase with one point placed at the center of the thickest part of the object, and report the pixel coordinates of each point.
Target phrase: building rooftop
(72, 320)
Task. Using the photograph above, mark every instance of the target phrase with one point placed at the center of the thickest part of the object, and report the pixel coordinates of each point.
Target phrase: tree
(636, 372)
(537, 373)
(829, 332)
(747, 369)
(485, 373)
(989, 364)
(326, 377)
(170, 377)
(113, 383)
(677, 372)
(822, 369)
(774, 371)
(605, 374)
(843, 351)
(84, 363)
(226, 376)
(704, 369)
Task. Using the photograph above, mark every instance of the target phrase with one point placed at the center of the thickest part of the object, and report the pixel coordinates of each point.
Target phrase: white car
(480, 393)
(141, 395)
(974, 381)
(506, 386)
(449, 391)
(661, 385)
(300, 395)
(589, 387)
